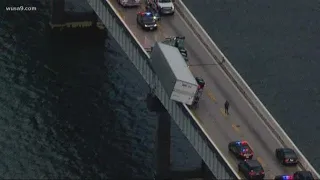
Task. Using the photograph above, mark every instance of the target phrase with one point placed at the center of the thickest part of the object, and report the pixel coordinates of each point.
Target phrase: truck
(174, 74)
(178, 42)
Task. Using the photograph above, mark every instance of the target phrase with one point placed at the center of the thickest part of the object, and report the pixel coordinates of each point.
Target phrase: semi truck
(174, 74)
(177, 42)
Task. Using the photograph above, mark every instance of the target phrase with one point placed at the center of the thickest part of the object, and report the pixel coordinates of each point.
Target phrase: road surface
(242, 123)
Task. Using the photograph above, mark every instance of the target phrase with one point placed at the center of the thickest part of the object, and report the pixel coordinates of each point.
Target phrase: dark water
(275, 47)
(73, 109)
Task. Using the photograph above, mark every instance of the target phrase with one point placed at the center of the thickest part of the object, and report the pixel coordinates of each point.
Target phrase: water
(72, 109)
(275, 47)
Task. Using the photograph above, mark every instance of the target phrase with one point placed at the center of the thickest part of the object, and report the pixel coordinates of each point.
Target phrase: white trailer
(174, 74)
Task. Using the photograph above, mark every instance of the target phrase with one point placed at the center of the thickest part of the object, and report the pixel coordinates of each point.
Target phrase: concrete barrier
(242, 86)
(196, 120)
(235, 171)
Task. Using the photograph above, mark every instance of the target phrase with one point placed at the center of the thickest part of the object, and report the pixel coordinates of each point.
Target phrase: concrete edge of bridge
(242, 86)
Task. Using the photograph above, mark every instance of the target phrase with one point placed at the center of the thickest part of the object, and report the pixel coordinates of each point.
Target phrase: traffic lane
(146, 38)
(253, 129)
(129, 18)
(233, 123)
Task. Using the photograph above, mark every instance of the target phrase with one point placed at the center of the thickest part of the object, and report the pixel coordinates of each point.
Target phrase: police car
(286, 156)
(147, 20)
(241, 149)
(283, 177)
(251, 169)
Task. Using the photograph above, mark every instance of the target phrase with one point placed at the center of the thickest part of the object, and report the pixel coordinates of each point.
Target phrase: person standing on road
(226, 107)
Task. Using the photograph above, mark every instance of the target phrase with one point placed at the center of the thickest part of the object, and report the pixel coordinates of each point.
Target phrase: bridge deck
(242, 123)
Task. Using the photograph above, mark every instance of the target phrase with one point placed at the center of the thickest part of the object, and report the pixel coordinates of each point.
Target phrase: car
(147, 21)
(283, 177)
(240, 149)
(303, 175)
(129, 3)
(164, 7)
(251, 169)
(286, 156)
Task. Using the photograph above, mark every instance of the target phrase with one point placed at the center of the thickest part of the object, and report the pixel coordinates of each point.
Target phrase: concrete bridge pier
(163, 146)
(77, 19)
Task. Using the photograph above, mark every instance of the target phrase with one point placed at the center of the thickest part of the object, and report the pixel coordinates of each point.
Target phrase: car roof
(144, 13)
(253, 163)
(241, 145)
(287, 150)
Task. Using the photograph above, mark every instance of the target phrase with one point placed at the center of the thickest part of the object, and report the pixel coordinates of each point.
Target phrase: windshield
(288, 153)
(164, 1)
(147, 19)
(180, 43)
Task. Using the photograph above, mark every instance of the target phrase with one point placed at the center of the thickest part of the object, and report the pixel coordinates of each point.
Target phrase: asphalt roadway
(242, 123)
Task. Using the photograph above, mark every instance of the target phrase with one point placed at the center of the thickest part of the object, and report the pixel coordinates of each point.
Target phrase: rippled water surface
(275, 46)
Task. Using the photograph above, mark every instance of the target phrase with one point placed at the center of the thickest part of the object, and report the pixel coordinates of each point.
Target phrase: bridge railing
(242, 86)
(204, 146)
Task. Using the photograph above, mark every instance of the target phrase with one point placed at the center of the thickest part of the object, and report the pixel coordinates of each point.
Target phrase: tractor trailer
(174, 74)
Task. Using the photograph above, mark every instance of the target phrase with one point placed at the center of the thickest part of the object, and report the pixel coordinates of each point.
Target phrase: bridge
(207, 128)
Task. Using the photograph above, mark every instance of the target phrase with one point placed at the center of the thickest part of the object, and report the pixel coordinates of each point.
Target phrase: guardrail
(202, 143)
(242, 86)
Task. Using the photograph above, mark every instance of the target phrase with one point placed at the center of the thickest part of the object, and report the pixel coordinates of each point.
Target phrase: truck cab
(178, 42)
(201, 83)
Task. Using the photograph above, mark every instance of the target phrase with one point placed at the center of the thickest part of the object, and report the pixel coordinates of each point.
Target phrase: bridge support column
(206, 173)
(163, 145)
(57, 12)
